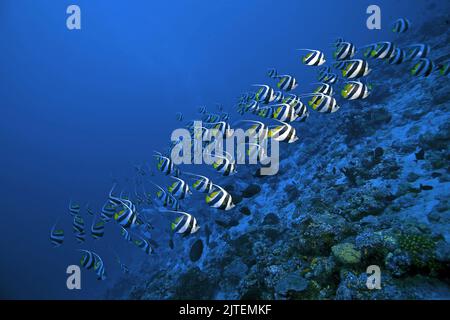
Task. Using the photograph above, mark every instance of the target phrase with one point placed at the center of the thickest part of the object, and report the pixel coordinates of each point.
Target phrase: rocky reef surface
(368, 185)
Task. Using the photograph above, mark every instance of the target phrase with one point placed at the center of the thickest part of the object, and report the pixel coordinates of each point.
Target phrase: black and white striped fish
(265, 94)
(382, 50)
(220, 199)
(74, 208)
(355, 90)
(97, 228)
(398, 57)
(225, 164)
(258, 131)
(444, 68)
(401, 25)
(313, 57)
(201, 184)
(283, 133)
(91, 260)
(179, 189)
(323, 103)
(80, 237)
(164, 164)
(125, 234)
(56, 236)
(279, 96)
(78, 224)
(165, 199)
(223, 127)
(108, 211)
(127, 215)
(302, 113)
(284, 112)
(356, 68)
(202, 110)
(286, 83)
(417, 51)
(344, 51)
(423, 68)
(185, 224)
(143, 244)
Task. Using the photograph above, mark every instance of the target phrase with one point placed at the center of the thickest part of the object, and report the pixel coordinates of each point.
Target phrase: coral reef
(372, 188)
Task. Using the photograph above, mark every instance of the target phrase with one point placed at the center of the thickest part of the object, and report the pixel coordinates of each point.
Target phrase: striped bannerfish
(272, 73)
(185, 224)
(265, 94)
(323, 103)
(286, 83)
(87, 259)
(179, 116)
(344, 51)
(355, 90)
(179, 189)
(356, 68)
(78, 224)
(382, 50)
(143, 244)
(252, 106)
(108, 211)
(224, 116)
(284, 112)
(225, 164)
(56, 236)
(80, 237)
(74, 208)
(367, 50)
(258, 130)
(201, 184)
(398, 56)
(283, 133)
(99, 267)
(166, 199)
(417, 51)
(292, 100)
(302, 113)
(223, 127)
(211, 117)
(313, 57)
(202, 110)
(330, 78)
(127, 216)
(254, 152)
(324, 88)
(401, 25)
(278, 96)
(89, 210)
(220, 199)
(125, 234)
(165, 165)
(423, 68)
(97, 228)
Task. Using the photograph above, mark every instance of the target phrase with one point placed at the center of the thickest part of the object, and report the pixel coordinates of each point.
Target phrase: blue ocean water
(82, 107)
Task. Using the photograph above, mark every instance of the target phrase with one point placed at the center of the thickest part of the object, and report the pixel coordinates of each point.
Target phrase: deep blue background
(78, 106)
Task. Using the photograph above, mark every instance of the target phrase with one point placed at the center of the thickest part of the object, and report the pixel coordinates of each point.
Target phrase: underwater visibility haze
(360, 116)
